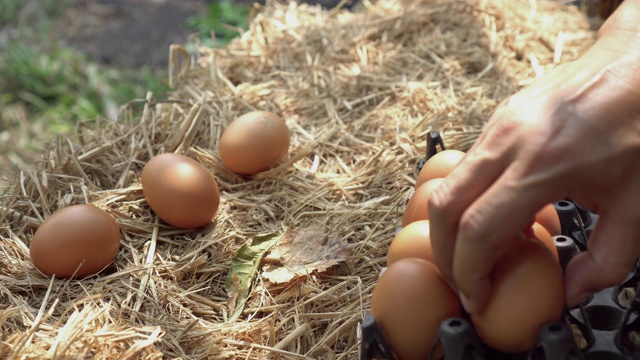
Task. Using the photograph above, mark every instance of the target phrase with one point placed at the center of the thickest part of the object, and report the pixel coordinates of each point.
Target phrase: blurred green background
(67, 61)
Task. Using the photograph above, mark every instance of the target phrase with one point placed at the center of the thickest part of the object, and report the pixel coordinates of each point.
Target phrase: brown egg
(180, 190)
(541, 233)
(254, 142)
(439, 165)
(413, 241)
(409, 302)
(548, 217)
(527, 291)
(417, 208)
(79, 239)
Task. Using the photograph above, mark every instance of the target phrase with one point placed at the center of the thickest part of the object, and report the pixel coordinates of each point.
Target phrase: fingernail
(468, 304)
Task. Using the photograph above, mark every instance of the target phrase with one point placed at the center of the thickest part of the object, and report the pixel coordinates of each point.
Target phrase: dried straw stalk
(358, 91)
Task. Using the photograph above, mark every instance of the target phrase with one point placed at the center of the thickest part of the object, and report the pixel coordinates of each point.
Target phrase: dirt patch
(133, 33)
(129, 33)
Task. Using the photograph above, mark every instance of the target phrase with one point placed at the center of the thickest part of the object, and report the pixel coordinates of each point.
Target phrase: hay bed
(358, 91)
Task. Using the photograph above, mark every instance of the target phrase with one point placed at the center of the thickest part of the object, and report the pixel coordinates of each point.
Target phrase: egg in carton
(610, 338)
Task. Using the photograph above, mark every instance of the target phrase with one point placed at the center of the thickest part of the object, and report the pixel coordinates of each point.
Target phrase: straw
(358, 90)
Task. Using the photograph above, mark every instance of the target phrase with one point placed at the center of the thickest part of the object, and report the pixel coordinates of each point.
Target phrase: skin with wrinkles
(573, 133)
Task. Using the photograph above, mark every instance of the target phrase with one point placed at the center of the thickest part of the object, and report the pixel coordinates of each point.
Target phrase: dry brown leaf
(301, 252)
(233, 294)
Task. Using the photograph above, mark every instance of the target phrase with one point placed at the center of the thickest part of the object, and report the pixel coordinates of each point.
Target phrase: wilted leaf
(299, 253)
(244, 266)
(232, 294)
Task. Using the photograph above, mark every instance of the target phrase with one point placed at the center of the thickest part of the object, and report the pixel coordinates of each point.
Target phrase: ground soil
(129, 33)
(133, 33)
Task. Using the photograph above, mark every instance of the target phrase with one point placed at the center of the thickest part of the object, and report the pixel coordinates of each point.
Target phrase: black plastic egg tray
(601, 328)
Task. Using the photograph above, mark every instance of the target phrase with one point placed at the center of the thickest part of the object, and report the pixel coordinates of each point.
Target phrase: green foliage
(225, 19)
(9, 9)
(46, 89)
(13, 12)
(43, 80)
(130, 85)
(60, 82)
(244, 269)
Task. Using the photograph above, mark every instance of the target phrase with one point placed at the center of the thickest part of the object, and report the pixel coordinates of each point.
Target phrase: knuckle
(440, 201)
(506, 125)
(471, 223)
(520, 117)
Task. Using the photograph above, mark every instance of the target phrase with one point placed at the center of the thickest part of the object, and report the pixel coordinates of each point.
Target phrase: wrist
(623, 20)
(618, 41)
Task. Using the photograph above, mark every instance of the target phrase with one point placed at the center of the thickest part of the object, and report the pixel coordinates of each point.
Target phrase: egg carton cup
(607, 325)
(434, 140)
(460, 342)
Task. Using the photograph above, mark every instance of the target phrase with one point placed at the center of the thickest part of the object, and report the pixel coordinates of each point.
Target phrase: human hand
(573, 133)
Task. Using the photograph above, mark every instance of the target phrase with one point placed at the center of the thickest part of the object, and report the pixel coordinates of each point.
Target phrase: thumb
(612, 251)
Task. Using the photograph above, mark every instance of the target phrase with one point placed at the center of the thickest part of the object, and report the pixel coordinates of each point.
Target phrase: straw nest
(358, 91)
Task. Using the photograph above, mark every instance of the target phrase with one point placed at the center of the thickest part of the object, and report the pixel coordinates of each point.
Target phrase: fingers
(482, 206)
(613, 249)
(452, 197)
(483, 164)
(485, 231)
